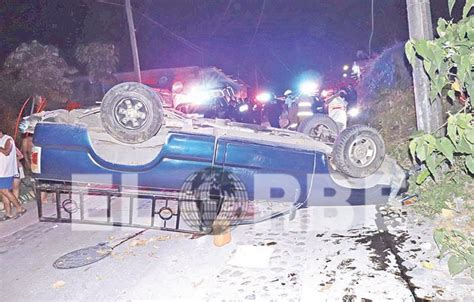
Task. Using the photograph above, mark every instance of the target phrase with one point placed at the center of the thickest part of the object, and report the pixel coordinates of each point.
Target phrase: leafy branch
(448, 62)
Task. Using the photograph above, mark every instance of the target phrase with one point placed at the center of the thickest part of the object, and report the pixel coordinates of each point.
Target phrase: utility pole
(133, 41)
(429, 115)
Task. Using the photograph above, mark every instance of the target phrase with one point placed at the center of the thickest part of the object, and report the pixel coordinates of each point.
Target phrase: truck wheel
(131, 112)
(358, 151)
(319, 127)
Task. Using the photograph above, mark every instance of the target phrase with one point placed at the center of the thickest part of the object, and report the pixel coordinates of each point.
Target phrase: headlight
(309, 88)
(304, 113)
(304, 104)
(264, 97)
(244, 108)
(197, 95)
(177, 87)
(354, 112)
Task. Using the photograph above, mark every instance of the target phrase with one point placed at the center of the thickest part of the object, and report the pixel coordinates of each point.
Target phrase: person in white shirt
(8, 168)
(337, 109)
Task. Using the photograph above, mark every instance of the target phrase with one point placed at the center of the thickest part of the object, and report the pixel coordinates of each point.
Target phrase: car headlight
(304, 104)
(199, 95)
(244, 108)
(309, 88)
(264, 97)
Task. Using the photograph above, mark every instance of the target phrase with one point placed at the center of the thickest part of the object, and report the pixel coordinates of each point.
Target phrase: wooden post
(133, 41)
(429, 115)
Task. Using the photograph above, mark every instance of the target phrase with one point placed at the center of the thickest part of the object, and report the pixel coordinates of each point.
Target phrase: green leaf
(451, 95)
(438, 236)
(431, 164)
(456, 264)
(423, 49)
(446, 147)
(416, 134)
(421, 151)
(410, 52)
(422, 176)
(430, 139)
(452, 128)
(463, 120)
(451, 5)
(467, 7)
(470, 259)
(412, 147)
(470, 163)
(464, 147)
(441, 28)
(470, 135)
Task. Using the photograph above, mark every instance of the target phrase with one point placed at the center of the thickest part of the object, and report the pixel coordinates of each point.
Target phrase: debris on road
(138, 242)
(58, 284)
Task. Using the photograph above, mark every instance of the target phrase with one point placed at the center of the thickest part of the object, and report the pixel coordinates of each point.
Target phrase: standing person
(18, 176)
(337, 109)
(26, 149)
(274, 110)
(8, 168)
(351, 96)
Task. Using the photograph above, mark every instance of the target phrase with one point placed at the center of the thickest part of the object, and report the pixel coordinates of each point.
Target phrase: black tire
(359, 151)
(310, 125)
(132, 127)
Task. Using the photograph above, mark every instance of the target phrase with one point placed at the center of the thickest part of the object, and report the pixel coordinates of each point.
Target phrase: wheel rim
(131, 113)
(362, 152)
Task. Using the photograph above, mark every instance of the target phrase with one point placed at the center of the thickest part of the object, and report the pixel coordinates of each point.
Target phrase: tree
(100, 60)
(34, 69)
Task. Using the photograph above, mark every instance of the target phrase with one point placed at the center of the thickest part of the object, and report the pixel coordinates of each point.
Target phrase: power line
(258, 23)
(372, 31)
(176, 36)
(161, 26)
(221, 18)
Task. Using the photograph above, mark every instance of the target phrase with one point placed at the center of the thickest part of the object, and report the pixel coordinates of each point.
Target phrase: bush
(448, 161)
(36, 69)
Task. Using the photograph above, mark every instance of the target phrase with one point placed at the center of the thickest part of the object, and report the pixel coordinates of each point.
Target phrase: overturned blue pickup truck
(132, 143)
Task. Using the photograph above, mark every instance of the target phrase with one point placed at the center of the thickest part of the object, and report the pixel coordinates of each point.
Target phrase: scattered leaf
(427, 265)
(470, 163)
(138, 242)
(163, 238)
(196, 284)
(456, 264)
(58, 284)
(447, 214)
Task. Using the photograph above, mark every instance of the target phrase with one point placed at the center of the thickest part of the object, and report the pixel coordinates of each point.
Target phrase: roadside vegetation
(442, 166)
(34, 69)
(445, 181)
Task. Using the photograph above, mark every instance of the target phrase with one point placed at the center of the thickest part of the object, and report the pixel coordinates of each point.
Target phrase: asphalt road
(324, 254)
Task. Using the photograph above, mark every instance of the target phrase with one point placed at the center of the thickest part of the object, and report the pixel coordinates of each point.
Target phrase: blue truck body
(67, 152)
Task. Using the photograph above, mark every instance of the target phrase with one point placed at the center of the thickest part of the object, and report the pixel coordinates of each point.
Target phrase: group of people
(334, 104)
(11, 173)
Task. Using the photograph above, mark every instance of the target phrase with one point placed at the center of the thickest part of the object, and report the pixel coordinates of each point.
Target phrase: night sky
(267, 42)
